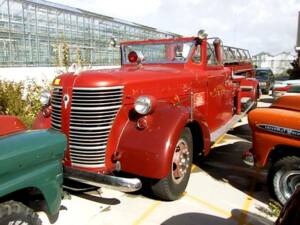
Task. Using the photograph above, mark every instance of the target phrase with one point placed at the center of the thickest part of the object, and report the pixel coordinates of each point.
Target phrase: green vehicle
(30, 170)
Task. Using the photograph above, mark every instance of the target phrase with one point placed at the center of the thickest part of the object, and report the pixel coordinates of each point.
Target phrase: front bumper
(102, 180)
(248, 158)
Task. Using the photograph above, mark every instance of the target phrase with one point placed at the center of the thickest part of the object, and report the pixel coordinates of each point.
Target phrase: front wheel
(172, 187)
(284, 178)
(12, 212)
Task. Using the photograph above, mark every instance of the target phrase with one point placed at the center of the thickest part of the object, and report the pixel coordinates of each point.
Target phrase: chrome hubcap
(181, 161)
(290, 182)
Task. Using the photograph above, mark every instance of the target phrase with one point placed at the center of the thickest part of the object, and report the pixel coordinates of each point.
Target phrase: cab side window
(197, 55)
(211, 58)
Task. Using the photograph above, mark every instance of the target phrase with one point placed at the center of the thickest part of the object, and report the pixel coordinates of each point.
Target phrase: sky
(257, 25)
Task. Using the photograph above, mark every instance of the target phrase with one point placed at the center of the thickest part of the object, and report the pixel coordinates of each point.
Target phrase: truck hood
(290, 102)
(136, 80)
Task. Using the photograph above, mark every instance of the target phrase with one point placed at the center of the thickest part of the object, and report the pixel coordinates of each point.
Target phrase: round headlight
(45, 98)
(143, 105)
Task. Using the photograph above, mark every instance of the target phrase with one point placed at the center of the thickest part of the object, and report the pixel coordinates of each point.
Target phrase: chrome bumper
(102, 180)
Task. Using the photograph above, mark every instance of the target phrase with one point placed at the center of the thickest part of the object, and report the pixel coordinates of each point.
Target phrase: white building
(278, 63)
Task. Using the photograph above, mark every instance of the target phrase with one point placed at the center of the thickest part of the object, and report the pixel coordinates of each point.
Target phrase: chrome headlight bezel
(143, 105)
(45, 98)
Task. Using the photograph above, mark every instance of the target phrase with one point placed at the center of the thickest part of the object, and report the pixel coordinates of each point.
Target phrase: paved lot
(221, 191)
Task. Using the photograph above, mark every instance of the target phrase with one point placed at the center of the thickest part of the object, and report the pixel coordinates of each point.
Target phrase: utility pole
(294, 72)
(298, 40)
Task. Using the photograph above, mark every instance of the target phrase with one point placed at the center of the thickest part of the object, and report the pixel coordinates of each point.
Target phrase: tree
(61, 52)
(294, 73)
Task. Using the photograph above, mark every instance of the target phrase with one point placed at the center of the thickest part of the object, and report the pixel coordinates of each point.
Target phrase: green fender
(33, 159)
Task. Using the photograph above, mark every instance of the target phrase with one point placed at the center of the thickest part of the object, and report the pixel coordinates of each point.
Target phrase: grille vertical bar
(93, 112)
(56, 108)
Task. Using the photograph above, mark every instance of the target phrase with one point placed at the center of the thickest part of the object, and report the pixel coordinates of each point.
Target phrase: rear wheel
(172, 187)
(12, 212)
(284, 178)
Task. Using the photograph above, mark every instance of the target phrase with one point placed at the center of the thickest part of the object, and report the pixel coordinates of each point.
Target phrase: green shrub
(21, 99)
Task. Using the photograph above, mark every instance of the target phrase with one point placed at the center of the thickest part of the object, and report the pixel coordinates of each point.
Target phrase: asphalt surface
(221, 190)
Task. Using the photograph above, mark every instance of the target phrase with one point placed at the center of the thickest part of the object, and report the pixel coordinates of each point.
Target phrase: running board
(224, 129)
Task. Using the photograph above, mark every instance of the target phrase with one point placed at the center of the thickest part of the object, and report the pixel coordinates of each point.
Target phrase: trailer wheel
(284, 178)
(172, 187)
(12, 212)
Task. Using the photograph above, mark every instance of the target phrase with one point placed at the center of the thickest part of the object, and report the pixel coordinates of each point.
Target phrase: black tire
(171, 188)
(12, 212)
(284, 178)
(290, 213)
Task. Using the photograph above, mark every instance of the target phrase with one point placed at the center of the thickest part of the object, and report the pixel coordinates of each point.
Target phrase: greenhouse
(39, 33)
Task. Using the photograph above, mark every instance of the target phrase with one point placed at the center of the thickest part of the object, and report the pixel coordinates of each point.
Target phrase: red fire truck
(167, 104)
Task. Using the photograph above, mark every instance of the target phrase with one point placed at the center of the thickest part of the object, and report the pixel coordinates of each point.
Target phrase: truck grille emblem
(66, 100)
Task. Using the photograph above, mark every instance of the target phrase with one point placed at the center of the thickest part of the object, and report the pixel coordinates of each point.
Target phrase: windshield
(167, 52)
(264, 75)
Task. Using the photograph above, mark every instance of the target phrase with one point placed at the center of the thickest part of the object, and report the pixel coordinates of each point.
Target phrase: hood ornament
(66, 100)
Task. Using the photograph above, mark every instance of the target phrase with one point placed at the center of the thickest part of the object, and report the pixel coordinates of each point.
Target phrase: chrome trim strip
(88, 139)
(223, 130)
(95, 108)
(94, 96)
(88, 152)
(88, 166)
(99, 88)
(72, 142)
(93, 112)
(75, 134)
(280, 130)
(97, 100)
(88, 148)
(57, 106)
(56, 124)
(90, 128)
(89, 160)
(88, 123)
(89, 118)
(80, 154)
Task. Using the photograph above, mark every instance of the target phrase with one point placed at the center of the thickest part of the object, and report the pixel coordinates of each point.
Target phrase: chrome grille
(56, 108)
(93, 111)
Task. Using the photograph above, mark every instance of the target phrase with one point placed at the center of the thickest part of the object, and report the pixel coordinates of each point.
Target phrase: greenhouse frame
(35, 33)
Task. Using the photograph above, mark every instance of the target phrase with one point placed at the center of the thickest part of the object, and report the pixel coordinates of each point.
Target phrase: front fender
(200, 119)
(149, 152)
(10, 125)
(33, 160)
(268, 131)
(41, 122)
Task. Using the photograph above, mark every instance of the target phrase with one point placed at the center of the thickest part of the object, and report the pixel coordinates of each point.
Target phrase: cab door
(219, 95)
